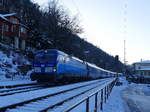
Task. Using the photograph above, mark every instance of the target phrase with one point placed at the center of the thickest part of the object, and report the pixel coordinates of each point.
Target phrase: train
(55, 65)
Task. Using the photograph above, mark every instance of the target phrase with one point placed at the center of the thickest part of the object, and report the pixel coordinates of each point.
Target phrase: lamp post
(87, 67)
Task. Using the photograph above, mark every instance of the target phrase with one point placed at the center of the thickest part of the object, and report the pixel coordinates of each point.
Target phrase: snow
(129, 98)
(58, 98)
(81, 107)
(124, 98)
(3, 16)
(146, 90)
(144, 69)
(9, 63)
(137, 97)
(17, 98)
(16, 82)
(146, 61)
(115, 103)
(11, 14)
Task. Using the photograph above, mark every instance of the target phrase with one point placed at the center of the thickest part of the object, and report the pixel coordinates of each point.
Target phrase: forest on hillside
(53, 28)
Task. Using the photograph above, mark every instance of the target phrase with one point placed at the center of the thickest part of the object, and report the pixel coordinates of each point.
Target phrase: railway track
(25, 88)
(50, 101)
(17, 85)
(20, 90)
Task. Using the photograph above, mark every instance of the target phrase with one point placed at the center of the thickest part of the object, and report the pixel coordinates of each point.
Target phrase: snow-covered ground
(16, 98)
(9, 62)
(82, 106)
(16, 82)
(115, 103)
(128, 98)
(137, 97)
(124, 98)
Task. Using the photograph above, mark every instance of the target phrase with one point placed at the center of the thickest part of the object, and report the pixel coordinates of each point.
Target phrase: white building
(142, 68)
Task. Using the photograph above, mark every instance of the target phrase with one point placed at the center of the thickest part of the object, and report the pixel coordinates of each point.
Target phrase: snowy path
(128, 98)
(115, 102)
(137, 98)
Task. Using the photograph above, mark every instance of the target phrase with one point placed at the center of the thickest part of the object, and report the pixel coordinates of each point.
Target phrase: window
(6, 28)
(23, 30)
(1, 1)
(61, 58)
(12, 28)
(45, 58)
(0, 26)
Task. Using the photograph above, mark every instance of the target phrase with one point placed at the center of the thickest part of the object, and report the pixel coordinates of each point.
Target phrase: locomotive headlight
(54, 69)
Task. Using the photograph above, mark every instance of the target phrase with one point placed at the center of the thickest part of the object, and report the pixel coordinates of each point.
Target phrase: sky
(107, 23)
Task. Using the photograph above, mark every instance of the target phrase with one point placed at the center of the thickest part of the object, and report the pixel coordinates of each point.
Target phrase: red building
(12, 31)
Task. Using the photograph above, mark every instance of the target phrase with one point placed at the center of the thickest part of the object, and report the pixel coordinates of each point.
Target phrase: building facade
(12, 32)
(142, 68)
(4, 5)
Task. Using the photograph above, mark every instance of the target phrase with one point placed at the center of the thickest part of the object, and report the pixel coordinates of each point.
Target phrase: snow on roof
(144, 69)
(147, 61)
(3, 16)
(11, 14)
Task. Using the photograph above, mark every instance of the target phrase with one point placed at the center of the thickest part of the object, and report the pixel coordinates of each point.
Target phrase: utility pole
(124, 52)
(125, 7)
(125, 29)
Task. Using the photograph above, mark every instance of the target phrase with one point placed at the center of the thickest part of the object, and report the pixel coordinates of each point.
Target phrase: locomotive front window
(45, 58)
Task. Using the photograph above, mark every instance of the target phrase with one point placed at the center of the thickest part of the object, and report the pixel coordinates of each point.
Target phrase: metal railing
(103, 92)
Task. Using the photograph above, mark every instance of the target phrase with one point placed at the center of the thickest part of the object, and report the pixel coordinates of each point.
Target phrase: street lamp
(85, 54)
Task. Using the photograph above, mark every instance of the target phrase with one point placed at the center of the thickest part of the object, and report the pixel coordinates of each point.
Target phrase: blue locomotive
(55, 65)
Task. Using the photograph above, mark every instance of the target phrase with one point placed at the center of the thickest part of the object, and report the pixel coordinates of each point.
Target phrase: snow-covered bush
(11, 62)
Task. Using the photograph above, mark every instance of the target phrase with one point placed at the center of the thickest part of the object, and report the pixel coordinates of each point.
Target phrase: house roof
(145, 69)
(7, 15)
(3, 16)
(143, 62)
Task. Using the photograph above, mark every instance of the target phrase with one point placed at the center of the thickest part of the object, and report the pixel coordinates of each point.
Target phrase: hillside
(11, 64)
(52, 27)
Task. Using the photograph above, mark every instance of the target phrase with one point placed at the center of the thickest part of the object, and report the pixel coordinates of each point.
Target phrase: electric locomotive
(54, 65)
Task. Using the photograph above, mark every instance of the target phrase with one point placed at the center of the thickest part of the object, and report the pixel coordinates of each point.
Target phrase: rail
(104, 93)
(34, 99)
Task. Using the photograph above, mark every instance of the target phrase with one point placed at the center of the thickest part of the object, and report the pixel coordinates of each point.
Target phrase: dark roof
(51, 50)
